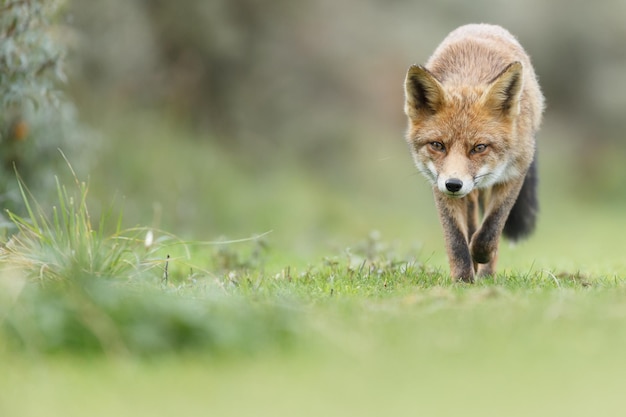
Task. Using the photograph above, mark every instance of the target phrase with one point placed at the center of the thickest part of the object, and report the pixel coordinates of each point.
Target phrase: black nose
(454, 184)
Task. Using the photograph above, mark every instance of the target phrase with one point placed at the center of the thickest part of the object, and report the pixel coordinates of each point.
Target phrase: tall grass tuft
(63, 244)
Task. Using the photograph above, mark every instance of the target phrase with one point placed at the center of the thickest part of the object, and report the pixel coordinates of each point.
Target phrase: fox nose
(454, 184)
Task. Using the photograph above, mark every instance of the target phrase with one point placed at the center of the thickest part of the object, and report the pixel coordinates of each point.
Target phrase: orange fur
(473, 112)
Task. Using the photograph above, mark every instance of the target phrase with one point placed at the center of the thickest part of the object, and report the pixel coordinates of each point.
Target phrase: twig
(167, 263)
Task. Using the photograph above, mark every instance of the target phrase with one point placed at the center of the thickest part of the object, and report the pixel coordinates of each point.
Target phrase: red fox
(473, 113)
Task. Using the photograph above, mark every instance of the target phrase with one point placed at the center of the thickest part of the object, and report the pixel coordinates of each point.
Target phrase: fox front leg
(453, 216)
(484, 243)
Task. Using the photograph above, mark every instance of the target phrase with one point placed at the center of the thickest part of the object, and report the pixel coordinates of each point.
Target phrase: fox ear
(423, 93)
(503, 95)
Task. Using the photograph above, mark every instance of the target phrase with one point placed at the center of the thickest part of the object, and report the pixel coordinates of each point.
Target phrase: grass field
(319, 316)
(422, 347)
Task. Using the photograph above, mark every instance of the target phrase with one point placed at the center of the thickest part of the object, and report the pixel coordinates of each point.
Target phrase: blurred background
(238, 117)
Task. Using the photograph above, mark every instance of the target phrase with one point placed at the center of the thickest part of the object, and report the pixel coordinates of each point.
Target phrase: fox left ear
(504, 93)
(422, 92)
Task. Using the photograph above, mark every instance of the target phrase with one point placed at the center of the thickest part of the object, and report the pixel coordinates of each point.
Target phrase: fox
(473, 112)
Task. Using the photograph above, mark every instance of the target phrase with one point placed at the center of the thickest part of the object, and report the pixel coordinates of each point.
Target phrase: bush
(35, 117)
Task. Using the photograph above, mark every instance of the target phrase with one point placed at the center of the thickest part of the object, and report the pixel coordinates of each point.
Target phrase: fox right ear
(423, 93)
(504, 93)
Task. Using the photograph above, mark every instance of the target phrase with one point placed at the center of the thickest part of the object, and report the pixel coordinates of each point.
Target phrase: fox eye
(480, 148)
(438, 146)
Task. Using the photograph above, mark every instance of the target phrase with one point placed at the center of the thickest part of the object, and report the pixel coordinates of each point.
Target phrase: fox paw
(481, 253)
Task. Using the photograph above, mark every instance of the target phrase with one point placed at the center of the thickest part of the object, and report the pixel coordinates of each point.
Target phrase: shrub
(35, 117)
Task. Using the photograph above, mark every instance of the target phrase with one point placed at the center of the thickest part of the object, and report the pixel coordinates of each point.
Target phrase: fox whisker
(477, 177)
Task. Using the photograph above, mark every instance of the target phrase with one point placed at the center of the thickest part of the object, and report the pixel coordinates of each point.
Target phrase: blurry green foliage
(31, 60)
(95, 316)
(35, 117)
(235, 69)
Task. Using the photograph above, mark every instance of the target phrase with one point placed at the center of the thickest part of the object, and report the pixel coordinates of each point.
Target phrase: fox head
(461, 135)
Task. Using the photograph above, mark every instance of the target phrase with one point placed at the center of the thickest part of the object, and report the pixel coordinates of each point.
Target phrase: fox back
(473, 113)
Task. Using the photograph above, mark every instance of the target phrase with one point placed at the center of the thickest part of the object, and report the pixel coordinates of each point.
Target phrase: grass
(361, 332)
(353, 345)
(368, 326)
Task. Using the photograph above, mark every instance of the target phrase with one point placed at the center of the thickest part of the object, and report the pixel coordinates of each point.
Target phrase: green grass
(353, 345)
(320, 316)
